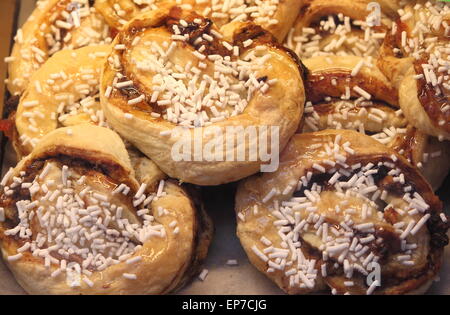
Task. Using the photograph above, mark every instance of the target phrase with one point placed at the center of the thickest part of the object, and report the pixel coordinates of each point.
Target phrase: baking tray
(222, 279)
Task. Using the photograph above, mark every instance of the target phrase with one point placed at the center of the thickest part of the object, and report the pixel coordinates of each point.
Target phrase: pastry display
(75, 220)
(171, 69)
(340, 202)
(318, 129)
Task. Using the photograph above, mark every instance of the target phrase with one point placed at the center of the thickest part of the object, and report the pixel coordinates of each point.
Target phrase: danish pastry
(350, 93)
(273, 15)
(345, 212)
(173, 78)
(327, 27)
(415, 57)
(54, 25)
(74, 220)
(63, 92)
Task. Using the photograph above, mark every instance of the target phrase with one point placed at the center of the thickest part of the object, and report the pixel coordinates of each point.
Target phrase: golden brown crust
(406, 52)
(299, 158)
(146, 171)
(166, 262)
(277, 19)
(334, 104)
(45, 107)
(33, 45)
(147, 131)
(313, 10)
(205, 231)
(330, 76)
(327, 27)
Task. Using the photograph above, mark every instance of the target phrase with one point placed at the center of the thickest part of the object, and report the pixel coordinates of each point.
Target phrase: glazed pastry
(350, 93)
(273, 15)
(63, 92)
(328, 27)
(174, 79)
(347, 77)
(340, 205)
(54, 25)
(415, 57)
(74, 220)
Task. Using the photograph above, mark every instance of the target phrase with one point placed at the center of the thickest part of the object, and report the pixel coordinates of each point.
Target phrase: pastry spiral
(328, 27)
(340, 202)
(415, 56)
(74, 220)
(172, 70)
(53, 25)
(63, 92)
(350, 93)
(273, 15)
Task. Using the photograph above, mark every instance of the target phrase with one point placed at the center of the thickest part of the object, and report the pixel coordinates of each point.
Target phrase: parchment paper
(222, 279)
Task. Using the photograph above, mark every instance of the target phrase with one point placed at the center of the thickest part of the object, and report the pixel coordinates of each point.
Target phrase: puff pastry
(74, 220)
(53, 25)
(63, 92)
(172, 70)
(328, 27)
(350, 93)
(275, 16)
(339, 203)
(415, 57)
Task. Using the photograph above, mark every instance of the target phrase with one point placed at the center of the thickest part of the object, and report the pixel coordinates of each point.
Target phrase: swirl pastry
(74, 220)
(63, 92)
(54, 25)
(173, 77)
(273, 15)
(415, 56)
(327, 27)
(340, 206)
(350, 93)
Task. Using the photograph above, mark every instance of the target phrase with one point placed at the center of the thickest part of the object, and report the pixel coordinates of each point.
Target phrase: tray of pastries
(226, 147)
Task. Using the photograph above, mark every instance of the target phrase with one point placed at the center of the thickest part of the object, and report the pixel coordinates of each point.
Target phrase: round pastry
(350, 93)
(328, 27)
(74, 220)
(179, 90)
(273, 15)
(345, 212)
(53, 25)
(415, 56)
(63, 92)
